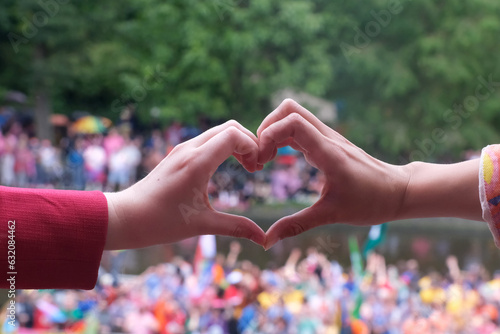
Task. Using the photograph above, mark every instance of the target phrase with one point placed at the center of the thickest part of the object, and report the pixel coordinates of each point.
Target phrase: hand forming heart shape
(354, 179)
(176, 190)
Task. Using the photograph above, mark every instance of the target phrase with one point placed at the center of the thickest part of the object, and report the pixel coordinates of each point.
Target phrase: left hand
(171, 203)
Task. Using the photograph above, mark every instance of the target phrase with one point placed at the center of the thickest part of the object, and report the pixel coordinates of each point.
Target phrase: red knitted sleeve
(59, 237)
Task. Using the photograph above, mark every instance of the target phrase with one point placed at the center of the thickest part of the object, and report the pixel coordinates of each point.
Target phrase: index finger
(231, 141)
(287, 107)
(210, 133)
(297, 132)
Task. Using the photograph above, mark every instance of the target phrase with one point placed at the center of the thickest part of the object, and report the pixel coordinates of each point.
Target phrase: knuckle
(295, 119)
(232, 132)
(177, 148)
(190, 164)
(295, 229)
(182, 148)
(233, 123)
(266, 131)
(189, 161)
(238, 231)
(267, 142)
(289, 103)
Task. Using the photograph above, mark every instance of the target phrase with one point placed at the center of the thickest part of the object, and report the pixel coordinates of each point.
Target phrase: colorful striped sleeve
(489, 189)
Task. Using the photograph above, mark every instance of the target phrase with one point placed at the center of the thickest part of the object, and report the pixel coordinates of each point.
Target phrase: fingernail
(268, 247)
(256, 242)
(270, 243)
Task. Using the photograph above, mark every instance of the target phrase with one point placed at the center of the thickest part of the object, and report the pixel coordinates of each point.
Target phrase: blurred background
(93, 95)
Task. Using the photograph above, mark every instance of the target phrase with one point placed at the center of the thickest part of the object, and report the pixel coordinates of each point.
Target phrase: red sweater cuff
(59, 237)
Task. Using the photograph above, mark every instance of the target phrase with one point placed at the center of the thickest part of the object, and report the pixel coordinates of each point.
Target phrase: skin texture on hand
(171, 203)
(360, 189)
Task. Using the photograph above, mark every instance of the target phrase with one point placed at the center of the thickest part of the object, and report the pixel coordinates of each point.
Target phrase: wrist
(442, 190)
(128, 227)
(397, 182)
(405, 204)
(114, 238)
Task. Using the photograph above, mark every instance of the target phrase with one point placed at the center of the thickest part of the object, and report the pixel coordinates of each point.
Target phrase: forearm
(440, 190)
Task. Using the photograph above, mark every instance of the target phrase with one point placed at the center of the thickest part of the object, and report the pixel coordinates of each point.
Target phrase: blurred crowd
(309, 294)
(221, 294)
(116, 159)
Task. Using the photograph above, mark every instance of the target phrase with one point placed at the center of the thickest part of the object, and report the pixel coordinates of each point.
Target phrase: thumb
(220, 223)
(295, 224)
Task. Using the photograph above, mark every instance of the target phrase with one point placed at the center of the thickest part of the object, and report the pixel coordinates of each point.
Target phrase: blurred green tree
(411, 83)
(406, 74)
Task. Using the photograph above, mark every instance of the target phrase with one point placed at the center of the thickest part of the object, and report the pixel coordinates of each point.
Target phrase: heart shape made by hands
(350, 180)
(358, 189)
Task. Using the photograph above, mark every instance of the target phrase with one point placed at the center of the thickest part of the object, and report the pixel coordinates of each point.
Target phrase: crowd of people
(309, 294)
(222, 294)
(116, 159)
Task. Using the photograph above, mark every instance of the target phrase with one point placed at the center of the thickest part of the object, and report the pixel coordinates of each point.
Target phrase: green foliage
(398, 76)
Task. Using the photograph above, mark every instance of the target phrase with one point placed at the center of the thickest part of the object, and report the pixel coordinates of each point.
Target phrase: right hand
(359, 189)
